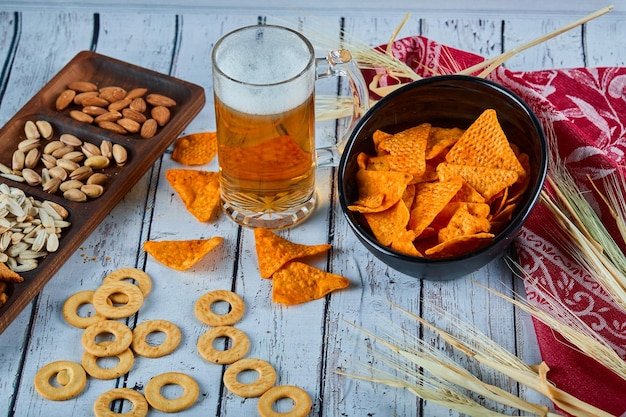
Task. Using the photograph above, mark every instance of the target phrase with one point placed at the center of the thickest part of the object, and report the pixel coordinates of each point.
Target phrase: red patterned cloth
(585, 108)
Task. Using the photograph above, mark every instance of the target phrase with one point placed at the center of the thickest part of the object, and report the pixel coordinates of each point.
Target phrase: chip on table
(199, 190)
(196, 148)
(181, 254)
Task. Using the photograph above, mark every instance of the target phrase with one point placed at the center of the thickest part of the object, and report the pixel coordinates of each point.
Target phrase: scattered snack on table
(199, 190)
(438, 192)
(140, 343)
(126, 359)
(204, 312)
(195, 148)
(133, 299)
(265, 380)
(181, 254)
(102, 405)
(75, 384)
(156, 399)
(240, 344)
(122, 334)
(301, 401)
(142, 280)
(274, 251)
(297, 283)
(70, 310)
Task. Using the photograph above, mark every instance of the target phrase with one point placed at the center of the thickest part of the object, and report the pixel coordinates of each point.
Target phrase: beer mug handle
(340, 63)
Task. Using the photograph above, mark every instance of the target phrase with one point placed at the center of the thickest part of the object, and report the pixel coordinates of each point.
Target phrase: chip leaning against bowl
(437, 192)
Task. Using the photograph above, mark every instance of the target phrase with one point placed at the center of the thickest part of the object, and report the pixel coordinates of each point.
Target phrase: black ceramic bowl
(446, 101)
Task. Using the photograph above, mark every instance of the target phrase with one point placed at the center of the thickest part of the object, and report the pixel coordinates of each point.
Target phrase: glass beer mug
(263, 81)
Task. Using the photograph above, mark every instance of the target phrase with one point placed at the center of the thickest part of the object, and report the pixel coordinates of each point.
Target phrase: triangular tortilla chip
(8, 275)
(195, 148)
(489, 182)
(386, 225)
(274, 251)
(379, 190)
(430, 199)
(199, 190)
(297, 283)
(181, 254)
(485, 144)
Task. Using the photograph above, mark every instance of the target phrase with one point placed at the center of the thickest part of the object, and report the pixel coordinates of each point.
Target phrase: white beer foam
(278, 57)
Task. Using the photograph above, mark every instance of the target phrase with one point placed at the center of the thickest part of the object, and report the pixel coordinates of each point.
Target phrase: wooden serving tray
(142, 153)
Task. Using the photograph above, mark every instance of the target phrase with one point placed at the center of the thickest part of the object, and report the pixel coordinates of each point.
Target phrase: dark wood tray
(142, 153)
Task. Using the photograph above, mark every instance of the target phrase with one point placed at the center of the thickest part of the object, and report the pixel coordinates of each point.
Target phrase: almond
(129, 124)
(80, 116)
(161, 114)
(160, 100)
(119, 104)
(138, 104)
(134, 115)
(113, 127)
(110, 116)
(94, 110)
(78, 99)
(136, 92)
(112, 93)
(82, 86)
(94, 101)
(65, 99)
(148, 129)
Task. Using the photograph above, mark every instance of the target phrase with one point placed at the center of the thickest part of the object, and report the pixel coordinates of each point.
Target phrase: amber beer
(265, 116)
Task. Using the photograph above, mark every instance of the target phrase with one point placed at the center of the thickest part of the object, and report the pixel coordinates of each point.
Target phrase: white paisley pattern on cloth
(584, 109)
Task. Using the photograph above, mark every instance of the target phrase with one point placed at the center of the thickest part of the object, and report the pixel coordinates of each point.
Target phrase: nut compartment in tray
(142, 153)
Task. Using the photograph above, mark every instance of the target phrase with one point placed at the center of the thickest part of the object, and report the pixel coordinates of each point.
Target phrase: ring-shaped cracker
(239, 348)
(76, 379)
(172, 405)
(103, 293)
(125, 363)
(206, 315)
(102, 405)
(301, 401)
(122, 333)
(143, 280)
(141, 346)
(266, 377)
(70, 309)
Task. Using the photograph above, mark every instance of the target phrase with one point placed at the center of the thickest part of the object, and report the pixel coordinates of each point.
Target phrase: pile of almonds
(115, 109)
(70, 165)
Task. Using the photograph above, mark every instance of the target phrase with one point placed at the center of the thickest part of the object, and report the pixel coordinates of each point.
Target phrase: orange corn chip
(430, 199)
(180, 254)
(460, 245)
(403, 243)
(387, 224)
(378, 136)
(485, 144)
(465, 222)
(196, 148)
(379, 190)
(487, 181)
(298, 283)
(274, 251)
(8, 275)
(403, 152)
(199, 190)
(441, 139)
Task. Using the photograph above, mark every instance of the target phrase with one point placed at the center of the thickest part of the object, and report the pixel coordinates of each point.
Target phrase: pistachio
(52, 185)
(89, 149)
(106, 148)
(58, 172)
(28, 144)
(52, 146)
(45, 129)
(69, 184)
(32, 158)
(31, 176)
(49, 161)
(75, 195)
(59, 153)
(67, 165)
(97, 178)
(70, 140)
(75, 156)
(120, 155)
(92, 190)
(82, 173)
(98, 161)
(17, 162)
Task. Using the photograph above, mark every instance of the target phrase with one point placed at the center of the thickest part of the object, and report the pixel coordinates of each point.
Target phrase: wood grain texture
(305, 343)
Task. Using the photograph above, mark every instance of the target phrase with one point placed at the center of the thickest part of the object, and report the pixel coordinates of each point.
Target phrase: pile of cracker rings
(438, 192)
(293, 282)
(117, 298)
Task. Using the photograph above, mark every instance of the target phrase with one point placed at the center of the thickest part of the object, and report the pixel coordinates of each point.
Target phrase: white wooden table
(305, 343)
